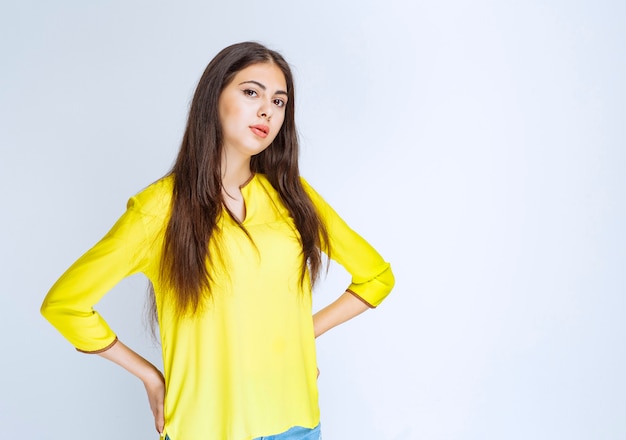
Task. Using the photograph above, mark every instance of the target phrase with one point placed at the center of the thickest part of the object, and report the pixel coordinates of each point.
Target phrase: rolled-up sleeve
(372, 278)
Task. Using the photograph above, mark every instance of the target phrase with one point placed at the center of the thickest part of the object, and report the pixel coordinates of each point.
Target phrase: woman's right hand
(150, 375)
(155, 388)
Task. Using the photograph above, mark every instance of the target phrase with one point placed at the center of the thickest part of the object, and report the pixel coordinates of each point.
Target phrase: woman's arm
(372, 278)
(151, 377)
(346, 307)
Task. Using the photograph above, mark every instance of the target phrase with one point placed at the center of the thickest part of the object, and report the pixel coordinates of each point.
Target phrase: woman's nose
(265, 111)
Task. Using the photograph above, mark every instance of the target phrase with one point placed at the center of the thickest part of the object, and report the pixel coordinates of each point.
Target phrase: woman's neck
(235, 173)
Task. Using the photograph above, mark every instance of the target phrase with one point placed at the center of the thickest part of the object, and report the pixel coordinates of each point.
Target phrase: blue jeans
(295, 433)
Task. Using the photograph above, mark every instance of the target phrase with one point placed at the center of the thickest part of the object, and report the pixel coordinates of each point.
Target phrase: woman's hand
(155, 388)
(150, 375)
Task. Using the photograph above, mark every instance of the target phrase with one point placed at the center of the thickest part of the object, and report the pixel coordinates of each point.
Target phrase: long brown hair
(197, 198)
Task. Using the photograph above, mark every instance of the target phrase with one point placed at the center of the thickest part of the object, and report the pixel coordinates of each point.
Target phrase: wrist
(150, 375)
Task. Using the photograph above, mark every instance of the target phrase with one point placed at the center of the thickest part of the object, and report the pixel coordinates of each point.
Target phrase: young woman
(231, 241)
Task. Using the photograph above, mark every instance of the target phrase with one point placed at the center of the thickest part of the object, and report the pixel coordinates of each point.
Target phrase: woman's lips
(260, 130)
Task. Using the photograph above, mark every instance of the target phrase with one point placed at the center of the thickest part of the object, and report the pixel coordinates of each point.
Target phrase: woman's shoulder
(155, 199)
(311, 192)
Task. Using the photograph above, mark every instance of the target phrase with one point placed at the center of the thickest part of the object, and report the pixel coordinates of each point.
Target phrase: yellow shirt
(245, 366)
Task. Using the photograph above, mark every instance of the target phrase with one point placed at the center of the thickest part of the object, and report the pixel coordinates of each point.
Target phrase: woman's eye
(249, 92)
(279, 102)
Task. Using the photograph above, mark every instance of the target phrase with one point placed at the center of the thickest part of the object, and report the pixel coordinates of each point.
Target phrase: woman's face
(252, 109)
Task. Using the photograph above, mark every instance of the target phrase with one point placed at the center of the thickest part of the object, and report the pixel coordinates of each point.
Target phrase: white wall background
(480, 146)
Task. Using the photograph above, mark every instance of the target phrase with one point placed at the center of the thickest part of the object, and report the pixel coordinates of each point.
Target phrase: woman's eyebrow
(278, 92)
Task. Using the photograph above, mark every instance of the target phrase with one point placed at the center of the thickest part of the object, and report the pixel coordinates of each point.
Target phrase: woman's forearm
(346, 307)
(130, 361)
